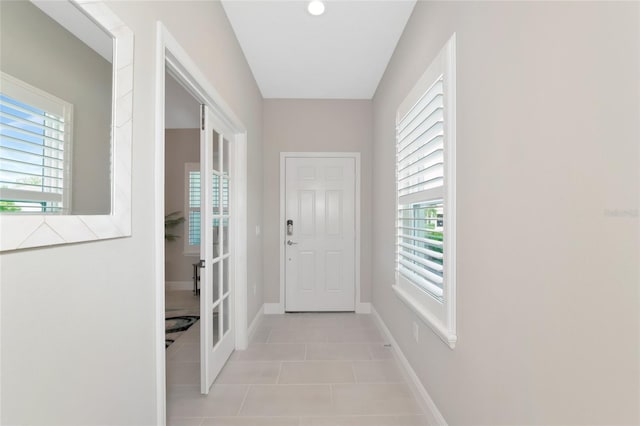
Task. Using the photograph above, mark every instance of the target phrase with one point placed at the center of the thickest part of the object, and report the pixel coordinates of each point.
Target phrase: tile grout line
(331, 397)
(243, 400)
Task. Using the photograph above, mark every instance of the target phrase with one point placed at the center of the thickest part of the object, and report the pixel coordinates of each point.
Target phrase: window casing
(35, 150)
(425, 179)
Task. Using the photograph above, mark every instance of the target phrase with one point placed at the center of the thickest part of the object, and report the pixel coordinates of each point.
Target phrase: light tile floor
(299, 370)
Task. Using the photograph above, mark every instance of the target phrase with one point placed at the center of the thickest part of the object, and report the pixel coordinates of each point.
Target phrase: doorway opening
(182, 234)
(214, 228)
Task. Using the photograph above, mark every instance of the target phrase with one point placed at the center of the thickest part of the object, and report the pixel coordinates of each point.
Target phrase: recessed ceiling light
(316, 7)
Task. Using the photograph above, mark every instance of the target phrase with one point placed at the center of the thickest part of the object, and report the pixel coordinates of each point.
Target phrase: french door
(217, 338)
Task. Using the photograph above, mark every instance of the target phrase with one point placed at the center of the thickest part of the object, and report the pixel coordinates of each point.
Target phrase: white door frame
(279, 308)
(172, 57)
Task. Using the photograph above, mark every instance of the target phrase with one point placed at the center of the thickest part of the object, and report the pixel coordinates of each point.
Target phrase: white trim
(239, 206)
(450, 233)
(178, 285)
(172, 57)
(273, 308)
(426, 316)
(159, 247)
(28, 231)
(434, 416)
(282, 236)
(256, 321)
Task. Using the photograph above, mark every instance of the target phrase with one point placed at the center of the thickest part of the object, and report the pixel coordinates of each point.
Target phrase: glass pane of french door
(224, 231)
(216, 228)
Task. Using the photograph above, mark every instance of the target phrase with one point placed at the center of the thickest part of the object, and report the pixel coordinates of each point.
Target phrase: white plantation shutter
(192, 203)
(35, 145)
(420, 175)
(420, 144)
(192, 198)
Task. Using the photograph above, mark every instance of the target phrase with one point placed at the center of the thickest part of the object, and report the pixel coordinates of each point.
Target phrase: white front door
(216, 305)
(320, 234)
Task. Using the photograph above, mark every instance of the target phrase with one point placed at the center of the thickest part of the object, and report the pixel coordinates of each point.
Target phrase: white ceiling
(339, 55)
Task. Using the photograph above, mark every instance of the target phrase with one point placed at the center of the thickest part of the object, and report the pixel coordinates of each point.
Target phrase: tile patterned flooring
(299, 370)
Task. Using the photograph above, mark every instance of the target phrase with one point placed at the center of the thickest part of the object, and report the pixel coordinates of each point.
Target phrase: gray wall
(37, 50)
(548, 181)
(313, 126)
(77, 321)
(181, 146)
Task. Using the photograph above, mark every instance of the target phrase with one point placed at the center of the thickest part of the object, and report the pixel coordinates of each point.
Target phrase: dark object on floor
(175, 326)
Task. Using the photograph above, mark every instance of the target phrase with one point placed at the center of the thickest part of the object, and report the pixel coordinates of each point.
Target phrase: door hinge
(201, 264)
(202, 115)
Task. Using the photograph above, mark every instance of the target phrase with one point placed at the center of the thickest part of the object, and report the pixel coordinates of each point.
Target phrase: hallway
(300, 369)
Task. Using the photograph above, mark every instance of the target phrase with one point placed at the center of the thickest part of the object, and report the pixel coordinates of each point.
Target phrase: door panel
(333, 213)
(307, 207)
(320, 259)
(307, 271)
(216, 308)
(333, 262)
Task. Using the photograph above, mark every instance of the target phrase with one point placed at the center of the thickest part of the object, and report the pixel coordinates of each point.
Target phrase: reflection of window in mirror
(53, 51)
(35, 150)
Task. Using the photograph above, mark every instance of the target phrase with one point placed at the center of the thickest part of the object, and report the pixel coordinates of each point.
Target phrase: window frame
(439, 315)
(33, 96)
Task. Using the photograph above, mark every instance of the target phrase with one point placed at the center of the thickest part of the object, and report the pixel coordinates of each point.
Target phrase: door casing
(276, 308)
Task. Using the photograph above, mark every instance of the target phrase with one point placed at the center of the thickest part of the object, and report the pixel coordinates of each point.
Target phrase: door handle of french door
(291, 243)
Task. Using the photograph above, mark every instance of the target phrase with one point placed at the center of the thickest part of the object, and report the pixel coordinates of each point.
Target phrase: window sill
(427, 317)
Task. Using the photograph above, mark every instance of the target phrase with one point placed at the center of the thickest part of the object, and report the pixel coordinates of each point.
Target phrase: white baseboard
(254, 324)
(278, 308)
(434, 417)
(363, 308)
(178, 285)
(273, 308)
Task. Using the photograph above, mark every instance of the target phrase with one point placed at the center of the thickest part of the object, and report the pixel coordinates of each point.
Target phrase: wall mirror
(66, 98)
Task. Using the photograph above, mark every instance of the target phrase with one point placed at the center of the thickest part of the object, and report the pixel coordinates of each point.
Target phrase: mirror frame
(28, 231)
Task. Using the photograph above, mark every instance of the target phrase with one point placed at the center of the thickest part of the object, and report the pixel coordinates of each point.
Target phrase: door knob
(290, 243)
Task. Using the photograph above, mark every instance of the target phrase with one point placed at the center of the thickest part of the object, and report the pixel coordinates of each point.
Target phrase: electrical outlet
(415, 331)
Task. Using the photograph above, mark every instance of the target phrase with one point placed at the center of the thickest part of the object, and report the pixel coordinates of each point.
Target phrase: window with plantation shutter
(425, 179)
(35, 149)
(192, 201)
